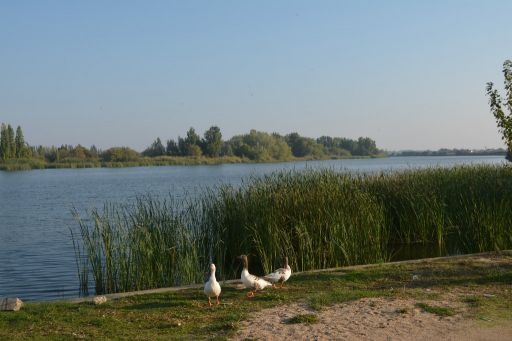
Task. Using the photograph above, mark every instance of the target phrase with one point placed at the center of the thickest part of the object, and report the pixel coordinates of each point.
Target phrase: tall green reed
(318, 218)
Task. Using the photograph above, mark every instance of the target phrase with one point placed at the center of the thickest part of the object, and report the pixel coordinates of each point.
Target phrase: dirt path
(371, 319)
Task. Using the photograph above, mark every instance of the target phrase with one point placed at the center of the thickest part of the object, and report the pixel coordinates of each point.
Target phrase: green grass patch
(303, 318)
(473, 301)
(439, 311)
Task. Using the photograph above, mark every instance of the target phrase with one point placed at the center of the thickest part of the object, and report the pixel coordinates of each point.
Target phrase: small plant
(303, 318)
(472, 301)
(402, 311)
(439, 311)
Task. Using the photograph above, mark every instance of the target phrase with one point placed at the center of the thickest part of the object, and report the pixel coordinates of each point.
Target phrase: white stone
(10, 303)
(99, 299)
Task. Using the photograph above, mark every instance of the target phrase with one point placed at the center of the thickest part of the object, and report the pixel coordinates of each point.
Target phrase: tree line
(261, 146)
(450, 152)
(255, 145)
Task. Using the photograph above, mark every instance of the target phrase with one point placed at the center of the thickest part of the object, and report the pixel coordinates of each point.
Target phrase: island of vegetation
(255, 146)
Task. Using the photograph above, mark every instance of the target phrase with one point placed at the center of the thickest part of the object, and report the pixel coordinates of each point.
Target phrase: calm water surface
(36, 253)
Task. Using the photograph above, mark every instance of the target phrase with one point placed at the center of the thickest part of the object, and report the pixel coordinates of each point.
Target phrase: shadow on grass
(158, 305)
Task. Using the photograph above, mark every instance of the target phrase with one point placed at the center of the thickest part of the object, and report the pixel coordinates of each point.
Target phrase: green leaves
(497, 105)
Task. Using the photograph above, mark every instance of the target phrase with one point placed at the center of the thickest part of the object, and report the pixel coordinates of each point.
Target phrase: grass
(318, 218)
(185, 315)
(439, 311)
(303, 318)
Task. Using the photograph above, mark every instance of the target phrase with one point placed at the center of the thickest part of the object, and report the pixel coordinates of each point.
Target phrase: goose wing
(276, 276)
(260, 283)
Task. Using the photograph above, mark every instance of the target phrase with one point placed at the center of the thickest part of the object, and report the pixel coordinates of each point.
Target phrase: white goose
(281, 275)
(250, 281)
(212, 287)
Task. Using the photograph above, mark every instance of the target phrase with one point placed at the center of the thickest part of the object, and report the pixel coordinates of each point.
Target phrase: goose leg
(209, 301)
(218, 300)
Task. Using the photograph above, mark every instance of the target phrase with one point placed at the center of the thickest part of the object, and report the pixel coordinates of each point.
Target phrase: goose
(212, 287)
(250, 281)
(281, 275)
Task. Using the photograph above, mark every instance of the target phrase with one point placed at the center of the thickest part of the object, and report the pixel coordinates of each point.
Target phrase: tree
(260, 146)
(182, 146)
(156, 149)
(212, 141)
(190, 143)
(194, 150)
(19, 142)
(172, 148)
(11, 146)
(499, 106)
(93, 152)
(366, 146)
(119, 154)
(4, 143)
(192, 138)
(304, 146)
(79, 153)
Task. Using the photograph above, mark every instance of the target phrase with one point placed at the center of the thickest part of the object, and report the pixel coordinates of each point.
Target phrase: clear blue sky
(410, 74)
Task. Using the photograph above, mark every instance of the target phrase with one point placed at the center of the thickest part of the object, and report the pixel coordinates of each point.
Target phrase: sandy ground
(371, 319)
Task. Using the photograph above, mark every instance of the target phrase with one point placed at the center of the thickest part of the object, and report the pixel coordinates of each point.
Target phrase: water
(36, 253)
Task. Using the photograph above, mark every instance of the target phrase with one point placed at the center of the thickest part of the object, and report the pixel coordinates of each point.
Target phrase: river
(36, 253)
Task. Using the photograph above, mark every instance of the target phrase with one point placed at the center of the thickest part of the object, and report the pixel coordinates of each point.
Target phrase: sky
(409, 74)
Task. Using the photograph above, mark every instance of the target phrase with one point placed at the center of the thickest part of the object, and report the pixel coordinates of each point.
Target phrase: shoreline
(454, 297)
(37, 164)
(33, 164)
(119, 295)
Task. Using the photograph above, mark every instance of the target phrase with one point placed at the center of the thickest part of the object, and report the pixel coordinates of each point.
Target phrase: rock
(99, 299)
(9, 303)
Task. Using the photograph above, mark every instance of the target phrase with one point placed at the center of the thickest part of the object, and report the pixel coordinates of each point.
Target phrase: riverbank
(427, 297)
(28, 164)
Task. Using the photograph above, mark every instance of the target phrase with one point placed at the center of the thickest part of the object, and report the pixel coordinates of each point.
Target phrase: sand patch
(370, 319)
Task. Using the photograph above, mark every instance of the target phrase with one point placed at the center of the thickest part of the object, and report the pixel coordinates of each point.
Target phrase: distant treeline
(450, 152)
(261, 146)
(15, 153)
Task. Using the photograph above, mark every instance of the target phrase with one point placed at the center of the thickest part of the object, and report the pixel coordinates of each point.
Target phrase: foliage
(12, 146)
(252, 147)
(212, 141)
(339, 146)
(172, 148)
(499, 107)
(119, 154)
(319, 219)
(260, 146)
(156, 149)
(304, 146)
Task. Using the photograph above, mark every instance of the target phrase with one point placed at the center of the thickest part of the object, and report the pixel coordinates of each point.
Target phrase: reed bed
(318, 218)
